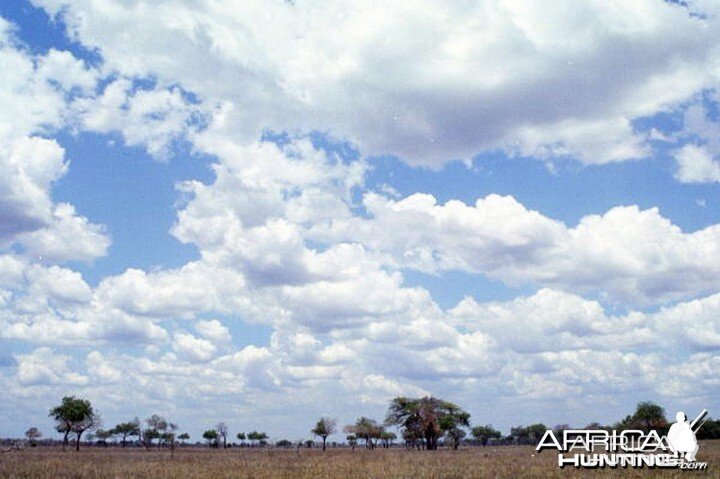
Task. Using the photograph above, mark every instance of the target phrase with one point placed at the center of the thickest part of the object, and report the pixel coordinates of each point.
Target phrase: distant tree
(157, 427)
(427, 417)
(455, 436)
(167, 437)
(325, 427)
(222, 431)
(485, 433)
(102, 435)
(309, 443)
(366, 429)
(183, 437)
(648, 417)
(528, 434)
(127, 429)
(387, 438)
(74, 416)
(259, 437)
(284, 443)
(241, 438)
(596, 426)
(352, 441)
(211, 436)
(33, 434)
(710, 430)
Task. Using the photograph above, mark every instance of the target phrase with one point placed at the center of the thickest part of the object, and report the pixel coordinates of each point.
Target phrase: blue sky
(237, 208)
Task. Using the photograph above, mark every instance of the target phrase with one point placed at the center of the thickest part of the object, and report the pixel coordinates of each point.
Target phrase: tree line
(423, 423)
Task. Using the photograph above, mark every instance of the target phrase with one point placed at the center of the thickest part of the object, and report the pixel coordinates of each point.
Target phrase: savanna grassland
(495, 462)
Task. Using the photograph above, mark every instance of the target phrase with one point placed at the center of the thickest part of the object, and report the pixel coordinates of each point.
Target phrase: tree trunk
(65, 438)
(77, 441)
(324, 439)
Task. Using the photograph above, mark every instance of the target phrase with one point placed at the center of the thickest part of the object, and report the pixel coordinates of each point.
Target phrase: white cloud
(43, 367)
(696, 165)
(68, 237)
(214, 331)
(428, 81)
(193, 348)
(627, 254)
(151, 118)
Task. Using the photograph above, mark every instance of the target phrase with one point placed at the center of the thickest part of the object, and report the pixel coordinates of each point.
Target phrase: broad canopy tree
(74, 416)
(427, 418)
(648, 416)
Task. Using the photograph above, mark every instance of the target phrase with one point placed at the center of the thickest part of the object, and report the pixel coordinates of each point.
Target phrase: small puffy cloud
(151, 118)
(58, 283)
(68, 237)
(214, 331)
(44, 367)
(193, 348)
(102, 368)
(696, 165)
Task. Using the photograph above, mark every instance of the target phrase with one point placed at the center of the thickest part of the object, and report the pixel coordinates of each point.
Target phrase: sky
(261, 212)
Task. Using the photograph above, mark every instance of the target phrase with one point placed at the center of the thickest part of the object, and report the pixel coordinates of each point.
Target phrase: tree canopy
(427, 418)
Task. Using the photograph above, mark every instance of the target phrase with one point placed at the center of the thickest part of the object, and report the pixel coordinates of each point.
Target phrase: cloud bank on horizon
(312, 286)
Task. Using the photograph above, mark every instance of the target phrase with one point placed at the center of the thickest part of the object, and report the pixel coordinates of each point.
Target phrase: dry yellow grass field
(493, 462)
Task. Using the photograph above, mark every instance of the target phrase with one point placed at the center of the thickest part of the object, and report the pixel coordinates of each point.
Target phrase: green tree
(211, 436)
(528, 434)
(127, 429)
(241, 438)
(485, 433)
(709, 430)
(648, 416)
(325, 427)
(426, 417)
(284, 443)
(352, 440)
(74, 416)
(184, 437)
(259, 437)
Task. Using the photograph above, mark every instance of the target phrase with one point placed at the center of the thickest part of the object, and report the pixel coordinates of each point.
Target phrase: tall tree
(426, 417)
(325, 427)
(74, 416)
(33, 434)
